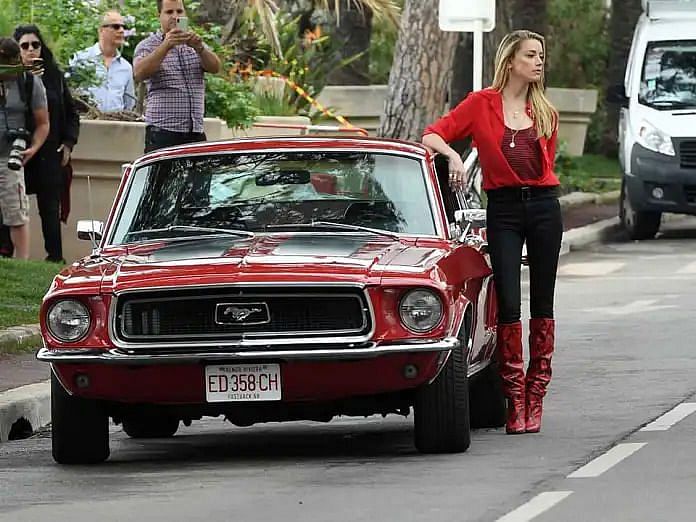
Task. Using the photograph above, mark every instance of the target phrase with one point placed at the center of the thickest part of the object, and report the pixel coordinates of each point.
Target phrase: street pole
(478, 55)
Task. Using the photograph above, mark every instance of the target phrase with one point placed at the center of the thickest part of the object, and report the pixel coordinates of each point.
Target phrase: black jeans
(156, 138)
(48, 203)
(515, 216)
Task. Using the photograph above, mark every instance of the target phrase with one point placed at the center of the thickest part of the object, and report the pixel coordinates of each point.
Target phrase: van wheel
(638, 225)
(80, 428)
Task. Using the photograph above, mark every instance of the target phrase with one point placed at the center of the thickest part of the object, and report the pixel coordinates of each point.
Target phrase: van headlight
(420, 310)
(654, 139)
(68, 320)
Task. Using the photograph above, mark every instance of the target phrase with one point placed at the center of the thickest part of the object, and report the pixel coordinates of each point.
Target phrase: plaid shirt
(176, 93)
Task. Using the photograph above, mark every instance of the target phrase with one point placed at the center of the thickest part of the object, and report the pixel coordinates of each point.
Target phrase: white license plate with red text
(242, 382)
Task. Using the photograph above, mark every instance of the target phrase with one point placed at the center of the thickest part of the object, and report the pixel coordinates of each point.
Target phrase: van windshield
(668, 80)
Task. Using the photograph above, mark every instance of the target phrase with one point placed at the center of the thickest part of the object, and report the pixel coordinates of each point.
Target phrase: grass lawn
(589, 173)
(22, 287)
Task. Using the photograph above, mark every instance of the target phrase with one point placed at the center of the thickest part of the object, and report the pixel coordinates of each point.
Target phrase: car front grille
(229, 314)
(687, 154)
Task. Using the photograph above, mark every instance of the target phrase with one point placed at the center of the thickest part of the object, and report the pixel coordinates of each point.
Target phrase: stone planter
(103, 147)
(362, 105)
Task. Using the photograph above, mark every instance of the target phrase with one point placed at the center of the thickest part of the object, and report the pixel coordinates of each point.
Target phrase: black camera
(18, 139)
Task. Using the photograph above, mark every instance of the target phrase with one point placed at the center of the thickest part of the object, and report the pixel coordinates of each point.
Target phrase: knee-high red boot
(511, 368)
(541, 345)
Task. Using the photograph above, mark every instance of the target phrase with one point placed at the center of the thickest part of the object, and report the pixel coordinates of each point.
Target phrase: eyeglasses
(34, 45)
(116, 27)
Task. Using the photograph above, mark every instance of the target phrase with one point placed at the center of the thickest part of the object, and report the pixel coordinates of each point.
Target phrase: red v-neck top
(480, 116)
(521, 150)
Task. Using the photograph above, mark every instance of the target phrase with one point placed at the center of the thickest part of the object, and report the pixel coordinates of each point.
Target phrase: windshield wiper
(673, 104)
(331, 225)
(189, 228)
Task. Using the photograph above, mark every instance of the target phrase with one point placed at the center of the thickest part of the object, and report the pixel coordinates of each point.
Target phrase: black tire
(486, 399)
(152, 427)
(80, 428)
(637, 224)
(441, 409)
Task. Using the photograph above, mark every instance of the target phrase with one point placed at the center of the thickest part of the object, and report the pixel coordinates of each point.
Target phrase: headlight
(653, 139)
(68, 320)
(420, 310)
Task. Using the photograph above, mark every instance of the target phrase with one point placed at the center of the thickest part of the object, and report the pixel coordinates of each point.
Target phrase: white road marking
(597, 268)
(535, 507)
(669, 419)
(688, 269)
(634, 307)
(596, 467)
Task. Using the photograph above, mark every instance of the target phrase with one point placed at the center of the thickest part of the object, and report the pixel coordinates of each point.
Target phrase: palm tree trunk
(420, 76)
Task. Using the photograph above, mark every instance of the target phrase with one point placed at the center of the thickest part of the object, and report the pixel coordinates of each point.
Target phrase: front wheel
(80, 428)
(638, 224)
(441, 409)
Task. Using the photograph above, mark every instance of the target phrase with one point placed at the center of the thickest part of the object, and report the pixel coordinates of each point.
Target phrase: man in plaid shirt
(172, 63)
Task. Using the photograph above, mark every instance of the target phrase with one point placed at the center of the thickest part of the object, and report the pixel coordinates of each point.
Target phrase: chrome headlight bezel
(422, 299)
(69, 310)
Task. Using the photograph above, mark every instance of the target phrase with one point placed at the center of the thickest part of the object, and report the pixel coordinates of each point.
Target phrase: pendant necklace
(512, 140)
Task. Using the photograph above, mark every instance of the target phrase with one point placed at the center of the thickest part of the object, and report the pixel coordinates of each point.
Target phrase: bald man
(114, 91)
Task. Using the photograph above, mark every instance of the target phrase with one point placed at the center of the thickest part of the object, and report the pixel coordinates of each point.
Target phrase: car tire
(154, 427)
(637, 224)
(80, 428)
(486, 399)
(441, 409)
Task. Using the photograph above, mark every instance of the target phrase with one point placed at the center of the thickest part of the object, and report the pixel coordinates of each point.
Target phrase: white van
(657, 125)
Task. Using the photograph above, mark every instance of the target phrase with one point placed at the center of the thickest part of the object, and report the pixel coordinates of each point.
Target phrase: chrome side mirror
(89, 230)
(468, 219)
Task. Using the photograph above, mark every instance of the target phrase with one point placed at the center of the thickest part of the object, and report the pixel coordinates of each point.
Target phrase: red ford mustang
(275, 279)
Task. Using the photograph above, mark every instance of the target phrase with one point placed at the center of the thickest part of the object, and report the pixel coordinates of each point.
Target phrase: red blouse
(480, 116)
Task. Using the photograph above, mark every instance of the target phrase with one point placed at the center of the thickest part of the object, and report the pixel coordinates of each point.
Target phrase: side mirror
(469, 218)
(89, 230)
(617, 94)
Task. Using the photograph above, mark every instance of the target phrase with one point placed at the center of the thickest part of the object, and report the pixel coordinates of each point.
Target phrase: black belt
(522, 193)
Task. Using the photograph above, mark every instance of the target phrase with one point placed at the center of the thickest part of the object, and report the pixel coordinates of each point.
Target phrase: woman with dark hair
(45, 174)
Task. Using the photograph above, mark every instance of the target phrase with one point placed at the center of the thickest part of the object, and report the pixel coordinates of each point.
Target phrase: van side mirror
(617, 94)
(89, 230)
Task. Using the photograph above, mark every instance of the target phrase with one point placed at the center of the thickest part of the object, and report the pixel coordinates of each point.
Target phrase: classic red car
(275, 279)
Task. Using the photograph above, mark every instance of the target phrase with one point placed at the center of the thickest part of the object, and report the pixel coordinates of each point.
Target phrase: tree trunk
(530, 15)
(353, 32)
(420, 77)
(624, 15)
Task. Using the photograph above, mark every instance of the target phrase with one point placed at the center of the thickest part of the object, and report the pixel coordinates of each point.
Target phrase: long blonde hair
(544, 113)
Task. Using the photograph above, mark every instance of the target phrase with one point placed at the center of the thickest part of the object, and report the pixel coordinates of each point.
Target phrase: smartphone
(183, 23)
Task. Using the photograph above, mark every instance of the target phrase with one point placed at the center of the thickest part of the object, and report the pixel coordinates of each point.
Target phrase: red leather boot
(541, 344)
(511, 368)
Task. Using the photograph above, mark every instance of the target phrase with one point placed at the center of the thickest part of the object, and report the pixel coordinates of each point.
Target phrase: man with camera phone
(172, 62)
(23, 106)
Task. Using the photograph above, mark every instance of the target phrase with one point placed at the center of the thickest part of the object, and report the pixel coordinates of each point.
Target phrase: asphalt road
(625, 357)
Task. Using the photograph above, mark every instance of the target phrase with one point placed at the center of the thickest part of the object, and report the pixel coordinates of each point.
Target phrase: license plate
(242, 382)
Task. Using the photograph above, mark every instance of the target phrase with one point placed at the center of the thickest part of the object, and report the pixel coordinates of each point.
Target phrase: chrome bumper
(118, 356)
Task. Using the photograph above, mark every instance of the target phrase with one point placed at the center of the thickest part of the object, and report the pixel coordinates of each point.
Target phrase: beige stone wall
(103, 147)
(362, 105)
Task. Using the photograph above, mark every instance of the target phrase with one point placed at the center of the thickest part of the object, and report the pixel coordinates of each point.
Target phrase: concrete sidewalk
(25, 391)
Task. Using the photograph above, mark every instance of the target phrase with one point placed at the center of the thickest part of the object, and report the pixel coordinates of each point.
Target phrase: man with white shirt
(115, 91)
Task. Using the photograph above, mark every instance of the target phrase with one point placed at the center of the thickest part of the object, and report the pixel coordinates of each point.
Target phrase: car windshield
(270, 192)
(669, 75)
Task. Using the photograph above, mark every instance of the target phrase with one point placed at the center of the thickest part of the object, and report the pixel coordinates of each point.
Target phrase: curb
(30, 403)
(33, 402)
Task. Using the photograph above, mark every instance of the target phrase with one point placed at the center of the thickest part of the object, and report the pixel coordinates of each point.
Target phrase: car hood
(286, 258)
(678, 124)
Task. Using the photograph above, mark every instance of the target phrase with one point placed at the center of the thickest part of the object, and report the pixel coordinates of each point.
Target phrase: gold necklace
(512, 140)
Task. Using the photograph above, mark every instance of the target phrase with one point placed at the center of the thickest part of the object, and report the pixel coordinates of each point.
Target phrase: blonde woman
(514, 127)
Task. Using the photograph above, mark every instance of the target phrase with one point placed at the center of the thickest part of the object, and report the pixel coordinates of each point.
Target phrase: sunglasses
(116, 27)
(33, 45)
